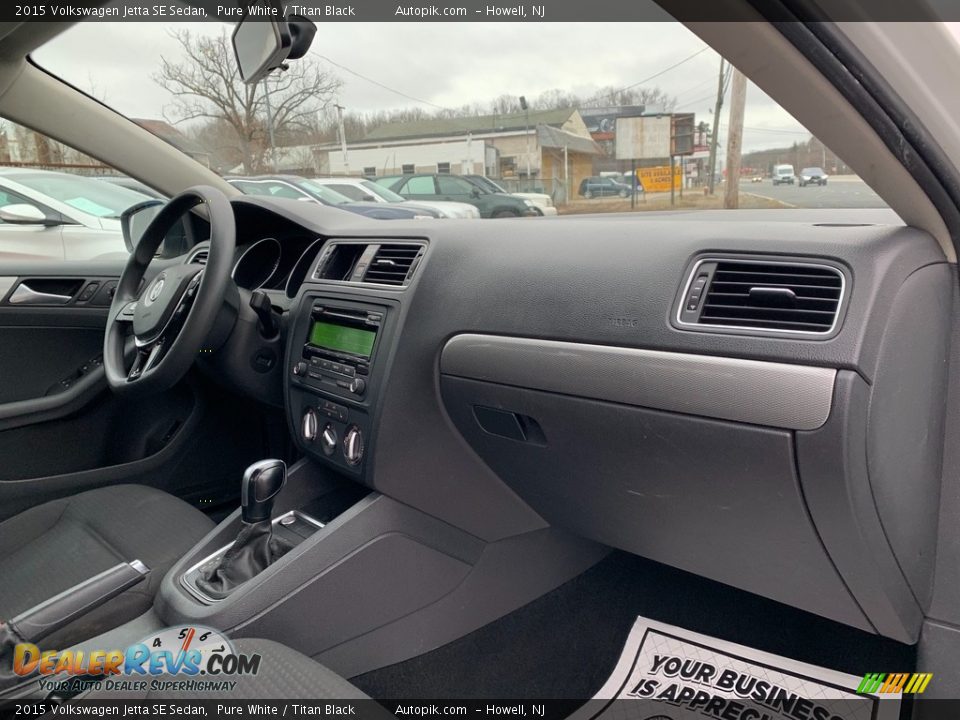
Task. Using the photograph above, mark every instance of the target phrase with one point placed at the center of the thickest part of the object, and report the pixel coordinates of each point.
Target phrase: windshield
(94, 197)
(536, 120)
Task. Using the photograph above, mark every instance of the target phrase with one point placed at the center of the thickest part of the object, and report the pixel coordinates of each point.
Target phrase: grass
(692, 200)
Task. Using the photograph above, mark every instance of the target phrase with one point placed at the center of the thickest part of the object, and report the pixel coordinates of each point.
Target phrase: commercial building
(543, 150)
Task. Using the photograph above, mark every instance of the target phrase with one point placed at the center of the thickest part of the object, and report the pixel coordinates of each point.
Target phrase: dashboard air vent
(789, 297)
(198, 257)
(392, 264)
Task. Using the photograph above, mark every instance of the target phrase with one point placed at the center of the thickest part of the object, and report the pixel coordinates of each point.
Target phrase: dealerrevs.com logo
(191, 658)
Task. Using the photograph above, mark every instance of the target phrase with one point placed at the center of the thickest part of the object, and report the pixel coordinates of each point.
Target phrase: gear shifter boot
(255, 549)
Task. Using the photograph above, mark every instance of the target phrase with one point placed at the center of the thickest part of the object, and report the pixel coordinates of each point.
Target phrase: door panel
(62, 431)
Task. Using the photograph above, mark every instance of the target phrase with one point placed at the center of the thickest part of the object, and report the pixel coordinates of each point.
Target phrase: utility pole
(738, 102)
(343, 138)
(526, 134)
(715, 135)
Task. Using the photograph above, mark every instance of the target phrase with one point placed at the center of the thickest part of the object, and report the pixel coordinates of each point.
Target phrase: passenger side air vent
(392, 264)
(783, 297)
(198, 257)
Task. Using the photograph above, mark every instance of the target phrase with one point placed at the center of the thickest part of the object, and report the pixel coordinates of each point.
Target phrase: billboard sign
(643, 138)
(683, 134)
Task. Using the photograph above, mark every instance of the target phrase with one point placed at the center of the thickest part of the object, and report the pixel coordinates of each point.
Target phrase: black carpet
(566, 643)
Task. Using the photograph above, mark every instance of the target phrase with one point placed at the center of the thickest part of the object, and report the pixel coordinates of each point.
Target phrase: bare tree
(207, 86)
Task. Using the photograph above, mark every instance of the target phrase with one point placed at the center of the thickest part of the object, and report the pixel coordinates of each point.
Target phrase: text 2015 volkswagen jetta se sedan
(684, 454)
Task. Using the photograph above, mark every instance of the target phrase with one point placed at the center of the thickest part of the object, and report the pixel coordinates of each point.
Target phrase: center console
(339, 348)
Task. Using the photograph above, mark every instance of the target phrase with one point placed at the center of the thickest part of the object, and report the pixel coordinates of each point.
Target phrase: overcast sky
(448, 64)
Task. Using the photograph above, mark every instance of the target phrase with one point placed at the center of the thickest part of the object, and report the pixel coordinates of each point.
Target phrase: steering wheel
(173, 315)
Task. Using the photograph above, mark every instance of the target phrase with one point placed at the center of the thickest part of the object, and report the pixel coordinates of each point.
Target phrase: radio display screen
(342, 338)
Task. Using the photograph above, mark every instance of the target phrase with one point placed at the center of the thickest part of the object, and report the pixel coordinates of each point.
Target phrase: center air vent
(392, 264)
(198, 257)
(784, 297)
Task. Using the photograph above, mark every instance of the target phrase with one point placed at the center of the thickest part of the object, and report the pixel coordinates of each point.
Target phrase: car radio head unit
(339, 346)
(336, 337)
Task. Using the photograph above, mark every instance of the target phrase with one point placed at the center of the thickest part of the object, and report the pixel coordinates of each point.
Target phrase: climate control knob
(328, 440)
(309, 425)
(353, 445)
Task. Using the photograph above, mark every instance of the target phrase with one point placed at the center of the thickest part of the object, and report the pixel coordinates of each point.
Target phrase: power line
(611, 94)
(694, 87)
(583, 102)
(381, 85)
(773, 130)
(711, 96)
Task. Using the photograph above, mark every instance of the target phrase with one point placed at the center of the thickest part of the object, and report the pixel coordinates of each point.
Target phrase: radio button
(358, 386)
(326, 365)
(349, 371)
(363, 369)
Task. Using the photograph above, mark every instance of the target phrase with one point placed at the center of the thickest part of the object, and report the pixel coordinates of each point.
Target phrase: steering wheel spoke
(147, 357)
(126, 312)
(161, 325)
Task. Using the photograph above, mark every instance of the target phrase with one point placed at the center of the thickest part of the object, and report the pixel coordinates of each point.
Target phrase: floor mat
(566, 643)
(670, 673)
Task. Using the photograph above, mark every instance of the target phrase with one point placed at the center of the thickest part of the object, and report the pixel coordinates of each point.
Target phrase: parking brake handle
(49, 616)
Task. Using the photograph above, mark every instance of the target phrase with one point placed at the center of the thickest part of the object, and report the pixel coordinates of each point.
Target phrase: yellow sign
(657, 179)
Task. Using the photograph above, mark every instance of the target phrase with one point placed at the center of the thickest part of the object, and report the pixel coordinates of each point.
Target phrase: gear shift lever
(262, 483)
(255, 547)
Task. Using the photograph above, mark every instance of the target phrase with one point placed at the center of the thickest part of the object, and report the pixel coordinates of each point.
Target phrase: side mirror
(475, 192)
(25, 214)
(135, 219)
(262, 45)
(368, 198)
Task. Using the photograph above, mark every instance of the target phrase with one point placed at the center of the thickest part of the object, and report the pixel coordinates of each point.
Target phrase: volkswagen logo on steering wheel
(155, 289)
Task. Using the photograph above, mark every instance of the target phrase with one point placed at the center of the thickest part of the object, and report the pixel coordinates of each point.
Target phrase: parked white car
(362, 189)
(57, 216)
(543, 202)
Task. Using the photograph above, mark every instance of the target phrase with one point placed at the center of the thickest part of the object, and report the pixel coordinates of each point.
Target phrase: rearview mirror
(25, 214)
(262, 45)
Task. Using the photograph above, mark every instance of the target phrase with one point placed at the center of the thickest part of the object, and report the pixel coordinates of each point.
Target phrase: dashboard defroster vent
(392, 264)
(782, 297)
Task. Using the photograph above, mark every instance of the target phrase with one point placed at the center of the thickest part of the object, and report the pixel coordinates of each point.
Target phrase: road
(839, 192)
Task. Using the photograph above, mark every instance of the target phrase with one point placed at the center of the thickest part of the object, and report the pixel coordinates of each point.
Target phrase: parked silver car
(367, 190)
(58, 216)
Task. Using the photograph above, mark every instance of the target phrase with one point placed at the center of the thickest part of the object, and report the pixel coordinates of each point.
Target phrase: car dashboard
(742, 395)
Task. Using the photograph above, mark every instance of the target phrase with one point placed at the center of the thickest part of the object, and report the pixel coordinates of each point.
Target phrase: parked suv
(543, 201)
(812, 176)
(453, 187)
(604, 187)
